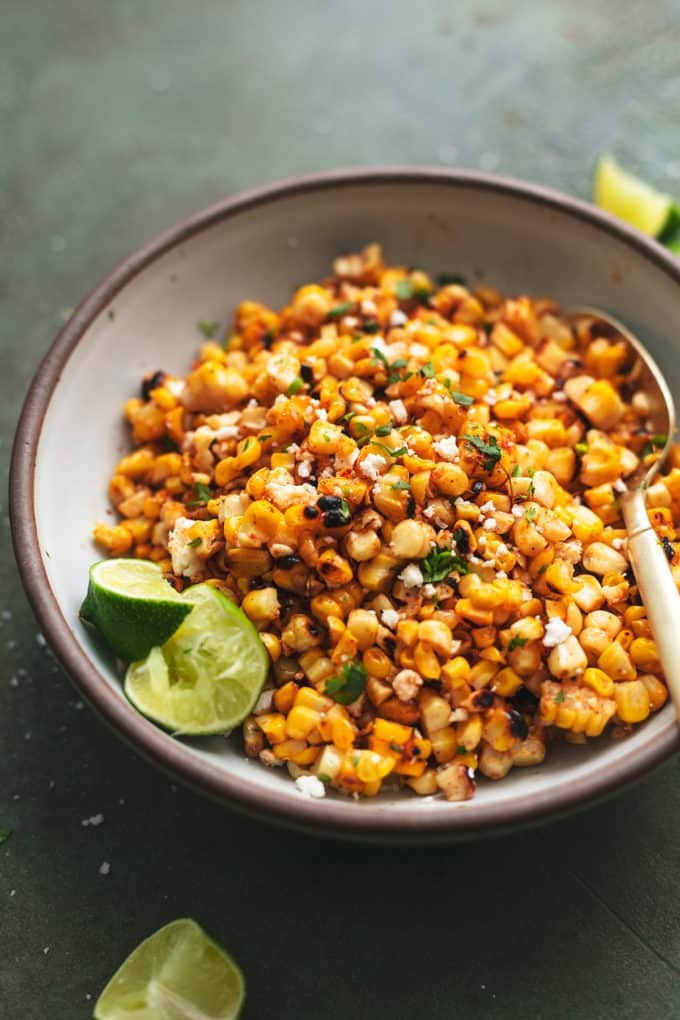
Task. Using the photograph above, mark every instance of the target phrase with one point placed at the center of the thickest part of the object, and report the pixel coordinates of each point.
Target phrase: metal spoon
(651, 568)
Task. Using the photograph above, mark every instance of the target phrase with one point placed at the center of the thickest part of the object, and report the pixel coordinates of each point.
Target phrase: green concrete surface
(116, 119)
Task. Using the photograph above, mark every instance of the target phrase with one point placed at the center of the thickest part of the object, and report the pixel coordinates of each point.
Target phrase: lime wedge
(132, 606)
(178, 973)
(208, 676)
(638, 203)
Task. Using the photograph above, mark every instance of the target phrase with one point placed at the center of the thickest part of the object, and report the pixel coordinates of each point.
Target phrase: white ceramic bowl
(520, 238)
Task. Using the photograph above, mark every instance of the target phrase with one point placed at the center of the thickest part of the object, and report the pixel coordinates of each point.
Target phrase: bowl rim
(474, 818)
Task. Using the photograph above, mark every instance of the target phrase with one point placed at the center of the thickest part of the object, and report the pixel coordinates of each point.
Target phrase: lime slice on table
(178, 973)
(132, 606)
(633, 200)
(208, 676)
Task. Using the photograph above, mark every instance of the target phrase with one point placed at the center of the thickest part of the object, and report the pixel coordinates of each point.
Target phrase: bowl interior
(521, 243)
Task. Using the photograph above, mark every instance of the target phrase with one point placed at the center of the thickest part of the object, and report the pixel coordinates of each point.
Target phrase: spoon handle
(657, 587)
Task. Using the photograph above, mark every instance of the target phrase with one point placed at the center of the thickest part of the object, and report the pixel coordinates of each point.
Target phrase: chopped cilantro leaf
(401, 486)
(384, 430)
(404, 290)
(439, 563)
(392, 453)
(461, 398)
(515, 471)
(203, 494)
(517, 642)
(195, 542)
(461, 749)
(347, 687)
(490, 449)
(208, 328)
(264, 437)
(371, 326)
(379, 356)
(427, 371)
(337, 311)
(422, 294)
(559, 697)
(295, 387)
(659, 440)
(398, 363)
(530, 513)
(323, 777)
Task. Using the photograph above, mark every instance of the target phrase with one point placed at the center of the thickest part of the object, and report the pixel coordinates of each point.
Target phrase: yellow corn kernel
(115, 539)
(362, 545)
(470, 612)
(497, 730)
(643, 653)
(301, 721)
(567, 659)
(261, 605)
(632, 701)
(284, 697)
(316, 666)
(426, 662)
(273, 725)
(335, 569)
(657, 691)
(469, 733)
(136, 464)
(424, 785)
(615, 661)
(456, 672)
(287, 750)
(376, 574)
(376, 663)
(435, 711)
(248, 562)
(599, 682)
(444, 744)
(307, 697)
(449, 479)
(363, 623)
(507, 682)
(307, 756)
(482, 673)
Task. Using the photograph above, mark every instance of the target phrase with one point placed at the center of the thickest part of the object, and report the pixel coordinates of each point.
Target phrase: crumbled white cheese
(517, 511)
(351, 321)
(346, 463)
(490, 524)
(399, 412)
(390, 617)
(283, 492)
(501, 575)
(379, 344)
(560, 396)
(429, 591)
(310, 786)
(419, 351)
(398, 318)
(488, 507)
(368, 307)
(490, 397)
(617, 543)
(372, 466)
(304, 469)
(556, 631)
(104, 868)
(429, 512)
(412, 576)
(447, 448)
(619, 485)
(176, 386)
(321, 414)
(185, 562)
(93, 820)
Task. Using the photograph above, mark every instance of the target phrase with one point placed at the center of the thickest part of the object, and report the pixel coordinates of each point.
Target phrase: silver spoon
(651, 568)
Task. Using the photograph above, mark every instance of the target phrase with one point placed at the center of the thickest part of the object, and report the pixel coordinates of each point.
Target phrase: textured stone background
(115, 120)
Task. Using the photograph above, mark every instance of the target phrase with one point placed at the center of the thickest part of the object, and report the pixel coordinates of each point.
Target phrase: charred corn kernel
(284, 697)
(300, 634)
(625, 638)
(657, 692)
(334, 569)
(248, 562)
(273, 725)
(632, 701)
(615, 661)
(590, 595)
(261, 605)
(115, 539)
(400, 711)
(599, 682)
(496, 730)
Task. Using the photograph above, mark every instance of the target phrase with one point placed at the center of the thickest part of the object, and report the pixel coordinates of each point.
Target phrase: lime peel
(132, 606)
(622, 194)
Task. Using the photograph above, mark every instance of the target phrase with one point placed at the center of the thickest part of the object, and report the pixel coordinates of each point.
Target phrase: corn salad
(410, 488)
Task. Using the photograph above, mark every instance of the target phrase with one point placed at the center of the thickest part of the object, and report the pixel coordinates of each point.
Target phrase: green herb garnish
(427, 371)
(404, 290)
(208, 329)
(337, 311)
(263, 438)
(530, 513)
(581, 448)
(490, 449)
(195, 542)
(295, 387)
(392, 453)
(347, 687)
(517, 642)
(461, 749)
(559, 697)
(203, 494)
(401, 486)
(439, 563)
(515, 471)
(422, 294)
(461, 398)
(384, 430)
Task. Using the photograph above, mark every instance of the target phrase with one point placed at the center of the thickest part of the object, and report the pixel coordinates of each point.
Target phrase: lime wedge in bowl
(132, 606)
(178, 973)
(624, 195)
(207, 677)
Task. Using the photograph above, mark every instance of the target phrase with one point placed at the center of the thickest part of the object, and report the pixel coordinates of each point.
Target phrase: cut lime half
(208, 676)
(132, 606)
(624, 195)
(178, 973)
